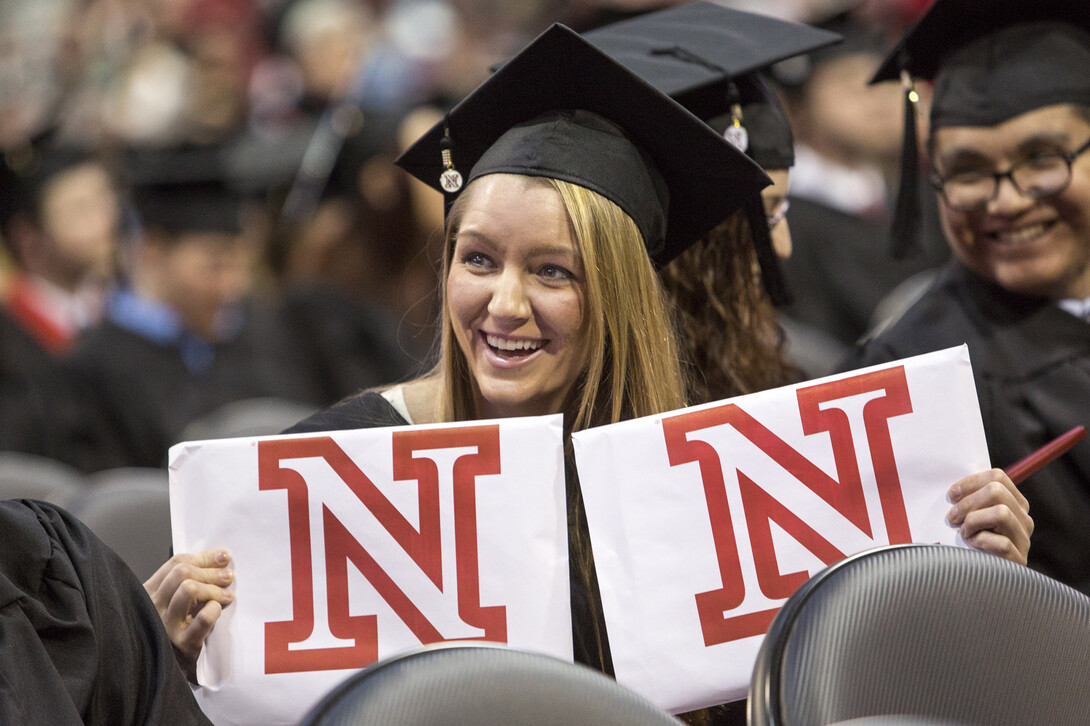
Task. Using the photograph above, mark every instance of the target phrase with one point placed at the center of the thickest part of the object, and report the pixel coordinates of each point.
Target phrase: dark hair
(1080, 110)
(731, 340)
(23, 185)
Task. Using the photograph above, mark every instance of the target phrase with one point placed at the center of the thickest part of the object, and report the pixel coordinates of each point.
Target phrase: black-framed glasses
(1037, 177)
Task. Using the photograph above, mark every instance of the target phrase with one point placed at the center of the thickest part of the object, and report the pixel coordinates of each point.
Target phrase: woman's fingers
(984, 479)
(992, 515)
(190, 591)
(209, 567)
(189, 641)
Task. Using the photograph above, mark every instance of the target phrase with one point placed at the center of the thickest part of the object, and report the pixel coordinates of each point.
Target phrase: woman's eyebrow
(478, 237)
(542, 250)
(560, 250)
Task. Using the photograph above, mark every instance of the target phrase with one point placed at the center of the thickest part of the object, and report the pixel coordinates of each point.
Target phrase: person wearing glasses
(1009, 132)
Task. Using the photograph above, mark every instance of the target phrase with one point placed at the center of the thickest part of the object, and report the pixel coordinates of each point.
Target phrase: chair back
(482, 684)
(931, 632)
(247, 417)
(129, 510)
(29, 476)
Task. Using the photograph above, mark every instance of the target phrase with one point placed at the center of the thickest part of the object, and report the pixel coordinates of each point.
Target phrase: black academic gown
(840, 267)
(22, 361)
(1031, 363)
(131, 397)
(344, 345)
(20, 353)
(80, 641)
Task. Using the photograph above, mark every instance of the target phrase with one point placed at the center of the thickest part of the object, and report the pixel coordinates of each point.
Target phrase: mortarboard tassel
(905, 227)
(736, 133)
(451, 178)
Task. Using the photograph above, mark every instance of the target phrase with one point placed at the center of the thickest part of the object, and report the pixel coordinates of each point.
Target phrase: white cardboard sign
(703, 521)
(351, 546)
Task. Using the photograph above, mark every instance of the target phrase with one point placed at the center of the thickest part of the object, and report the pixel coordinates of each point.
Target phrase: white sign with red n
(704, 521)
(351, 546)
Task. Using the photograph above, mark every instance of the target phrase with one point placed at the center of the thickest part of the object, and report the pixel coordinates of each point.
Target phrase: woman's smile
(510, 345)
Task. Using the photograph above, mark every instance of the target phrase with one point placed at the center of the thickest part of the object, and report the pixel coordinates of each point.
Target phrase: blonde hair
(632, 367)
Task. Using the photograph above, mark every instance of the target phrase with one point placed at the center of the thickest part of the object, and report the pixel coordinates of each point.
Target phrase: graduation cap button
(451, 180)
(735, 132)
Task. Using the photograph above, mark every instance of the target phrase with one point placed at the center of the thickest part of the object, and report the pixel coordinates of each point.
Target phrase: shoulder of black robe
(1022, 336)
(1031, 364)
(83, 643)
(20, 353)
(136, 395)
(839, 270)
(346, 344)
(23, 424)
(368, 409)
(121, 385)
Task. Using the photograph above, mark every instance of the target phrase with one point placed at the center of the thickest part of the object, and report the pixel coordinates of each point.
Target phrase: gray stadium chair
(929, 634)
(129, 510)
(28, 476)
(249, 417)
(481, 684)
(898, 300)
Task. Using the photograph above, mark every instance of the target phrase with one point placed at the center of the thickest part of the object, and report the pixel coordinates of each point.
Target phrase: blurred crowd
(198, 201)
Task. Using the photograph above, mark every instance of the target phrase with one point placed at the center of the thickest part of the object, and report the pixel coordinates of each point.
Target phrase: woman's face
(516, 295)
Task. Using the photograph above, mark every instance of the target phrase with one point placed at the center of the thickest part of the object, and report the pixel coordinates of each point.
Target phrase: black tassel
(905, 228)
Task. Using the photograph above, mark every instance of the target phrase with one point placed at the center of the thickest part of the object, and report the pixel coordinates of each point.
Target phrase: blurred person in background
(60, 224)
(349, 249)
(356, 280)
(329, 42)
(848, 146)
(179, 339)
(169, 73)
(32, 73)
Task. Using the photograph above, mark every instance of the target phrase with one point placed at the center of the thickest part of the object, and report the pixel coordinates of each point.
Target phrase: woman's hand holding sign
(992, 514)
(190, 591)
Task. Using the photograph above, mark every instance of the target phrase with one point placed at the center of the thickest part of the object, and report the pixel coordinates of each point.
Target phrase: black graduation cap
(564, 109)
(708, 58)
(989, 65)
(183, 190)
(705, 56)
(858, 37)
(28, 166)
(25, 170)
